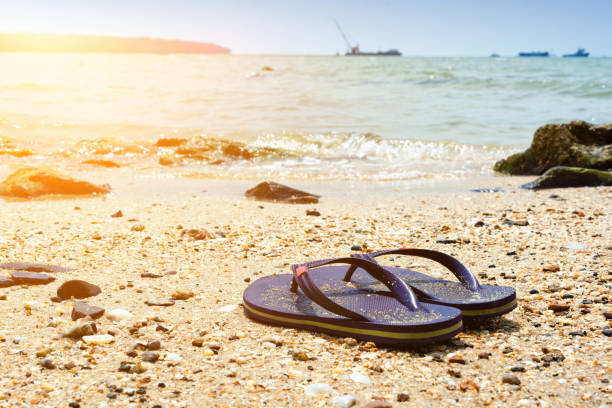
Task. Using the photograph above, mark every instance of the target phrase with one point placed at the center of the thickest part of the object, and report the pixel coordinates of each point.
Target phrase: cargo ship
(354, 51)
(534, 54)
(581, 53)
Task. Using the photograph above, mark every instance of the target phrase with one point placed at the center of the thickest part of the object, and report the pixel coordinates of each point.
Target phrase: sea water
(325, 118)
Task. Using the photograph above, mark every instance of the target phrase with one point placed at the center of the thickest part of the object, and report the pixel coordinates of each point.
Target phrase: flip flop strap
(302, 279)
(464, 276)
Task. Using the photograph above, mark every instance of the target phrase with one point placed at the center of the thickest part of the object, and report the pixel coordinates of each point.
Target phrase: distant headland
(30, 42)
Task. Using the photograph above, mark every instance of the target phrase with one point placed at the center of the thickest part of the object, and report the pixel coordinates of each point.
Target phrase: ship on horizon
(581, 53)
(353, 50)
(534, 54)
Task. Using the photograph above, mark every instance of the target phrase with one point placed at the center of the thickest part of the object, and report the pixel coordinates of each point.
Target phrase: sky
(423, 27)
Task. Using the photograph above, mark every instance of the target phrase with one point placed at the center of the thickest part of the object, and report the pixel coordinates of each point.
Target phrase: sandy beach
(210, 354)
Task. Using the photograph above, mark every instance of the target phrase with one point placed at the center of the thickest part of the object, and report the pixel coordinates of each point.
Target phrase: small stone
(558, 307)
(173, 358)
(447, 241)
(511, 379)
(313, 213)
(118, 214)
(359, 377)
(80, 330)
(378, 404)
(608, 315)
(468, 384)
(607, 332)
(519, 223)
(153, 345)
(479, 224)
(454, 373)
(82, 309)
(403, 397)
(580, 333)
(46, 363)
(197, 342)
(517, 369)
(484, 355)
(551, 268)
(150, 275)
(345, 401)
(247, 279)
(126, 367)
(182, 295)
(150, 356)
(44, 352)
(534, 292)
(299, 356)
(456, 358)
(31, 278)
(318, 389)
(74, 404)
(356, 248)
(98, 339)
(78, 289)
(199, 234)
(351, 342)
(160, 302)
(138, 227)
(117, 315)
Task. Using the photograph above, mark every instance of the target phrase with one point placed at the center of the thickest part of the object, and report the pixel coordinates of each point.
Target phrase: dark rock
(74, 404)
(6, 282)
(520, 223)
(561, 177)
(159, 302)
(608, 315)
(356, 248)
(518, 369)
(534, 292)
(479, 224)
(126, 367)
(447, 241)
(150, 356)
(31, 278)
(82, 309)
(153, 345)
(607, 332)
(46, 363)
(78, 289)
(118, 214)
(270, 191)
(567, 296)
(484, 355)
(313, 213)
(511, 253)
(577, 144)
(150, 275)
(511, 379)
(402, 397)
(580, 333)
(78, 331)
(33, 267)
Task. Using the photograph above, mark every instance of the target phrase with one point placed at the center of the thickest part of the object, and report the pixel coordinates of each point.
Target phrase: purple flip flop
(476, 301)
(316, 298)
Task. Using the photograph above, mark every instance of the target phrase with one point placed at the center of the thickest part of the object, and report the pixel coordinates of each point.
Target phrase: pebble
(160, 302)
(468, 384)
(484, 355)
(575, 246)
(137, 227)
(608, 315)
(580, 333)
(182, 295)
(511, 379)
(345, 401)
(153, 345)
(98, 339)
(517, 369)
(356, 248)
(150, 275)
(82, 309)
(378, 404)
(46, 363)
(607, 332)
(313, 213)
(359, 377)
(78, 289)
(558, 307)
(150, 356)
(31, 278)
(551, 268)
(228, 308)
(118, 214)
(299, 356)
(403, 397)
(318, 389)
(456, 358)
(518, 223)
(173, 358)
(80, 330)
(117, 315)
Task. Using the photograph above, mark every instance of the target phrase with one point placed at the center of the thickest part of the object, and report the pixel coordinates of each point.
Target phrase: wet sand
(212, 355)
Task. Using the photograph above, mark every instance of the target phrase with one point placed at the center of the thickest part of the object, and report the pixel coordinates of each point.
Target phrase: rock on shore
(271, 191)
(34, 182)
(575, 144)
(561, 177)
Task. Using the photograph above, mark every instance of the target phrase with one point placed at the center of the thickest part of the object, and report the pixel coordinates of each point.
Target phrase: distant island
(29, 42)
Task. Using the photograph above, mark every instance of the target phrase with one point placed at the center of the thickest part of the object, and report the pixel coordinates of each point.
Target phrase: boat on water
(581, 53)
(354, 51)
(534, 54)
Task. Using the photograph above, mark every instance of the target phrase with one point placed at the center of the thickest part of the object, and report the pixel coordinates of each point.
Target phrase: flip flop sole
(269, 300)
(491, 301)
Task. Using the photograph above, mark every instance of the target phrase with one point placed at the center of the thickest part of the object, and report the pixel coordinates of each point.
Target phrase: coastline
(244, 363)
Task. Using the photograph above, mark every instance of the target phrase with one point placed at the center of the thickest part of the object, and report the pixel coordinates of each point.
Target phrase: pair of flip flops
(357, 297)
